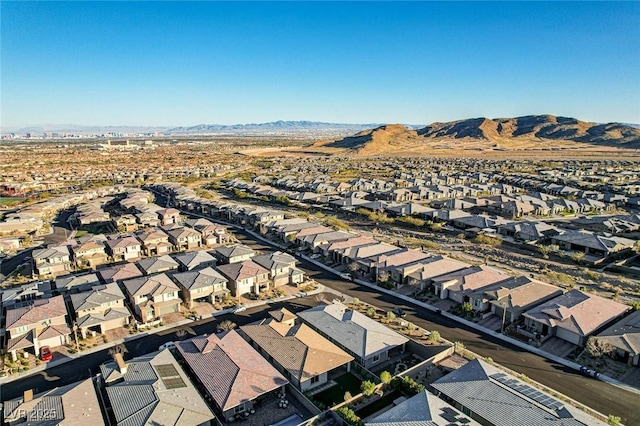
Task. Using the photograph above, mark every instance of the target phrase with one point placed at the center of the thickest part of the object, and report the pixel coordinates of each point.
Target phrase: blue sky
(166, 63)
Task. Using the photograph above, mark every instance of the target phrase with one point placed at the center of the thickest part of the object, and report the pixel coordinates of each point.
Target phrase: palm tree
(227, 325)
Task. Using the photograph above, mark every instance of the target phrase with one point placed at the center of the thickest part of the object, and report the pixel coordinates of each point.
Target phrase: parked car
(399, 312)
(346, 276)
(168, 345)
(239, 308)
(45, 353)
(316, 256)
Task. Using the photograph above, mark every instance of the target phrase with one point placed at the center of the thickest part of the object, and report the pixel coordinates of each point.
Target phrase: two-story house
(41, 323)
(202, 284)
(168, 216)
(245, 277)
(211, 233)
(153, 296)
(100, 309)
(155, 242)
(52, 261)
(89, 254)
(282, 268)
(184, 238)
(234, 253)
(127, 248)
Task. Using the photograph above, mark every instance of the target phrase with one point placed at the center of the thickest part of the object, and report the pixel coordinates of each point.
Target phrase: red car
(45, 353)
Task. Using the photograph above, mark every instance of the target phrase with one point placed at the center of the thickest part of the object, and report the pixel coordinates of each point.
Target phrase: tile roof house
(573, 317)
(490, 396)
(194, 260)
(201, 284)
(155, 242)
(52, 261)
(154, 265)
(90, 254)
(459, 285)
(152, 390)
(336, 249)
(422, 274)
(75, 404)
(245, 277)
(299, 352)
(119, 272)
(590, 243)
(528, 231)
(74, 283)
(211, 233)
(24, 294)
(624, 335)
(184, 238)
(354, 254)
(422, 409)
(392, 262)
(314, 241)
(234, 253)
(230, 370)
(366, 339)
(126, 248)
(511, 297)
(100, 309)
(282, 268)
(153, 296)
(168, 216)
(42, 322)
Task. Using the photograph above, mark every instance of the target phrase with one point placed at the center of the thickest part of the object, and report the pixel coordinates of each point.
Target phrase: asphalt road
(601, 396)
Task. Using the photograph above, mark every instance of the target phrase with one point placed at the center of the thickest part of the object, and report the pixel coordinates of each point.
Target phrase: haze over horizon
(182, 64)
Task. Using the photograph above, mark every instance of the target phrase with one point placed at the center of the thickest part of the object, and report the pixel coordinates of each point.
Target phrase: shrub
(349, 416)
(347, 396)
(367, 388)
(434, 337)
(385, 377)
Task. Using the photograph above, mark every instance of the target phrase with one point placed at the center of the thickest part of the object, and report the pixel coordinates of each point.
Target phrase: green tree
(367, 387)
(391, 316)
(371, 312)
(614, 420)
(385, 377)
(347, 396)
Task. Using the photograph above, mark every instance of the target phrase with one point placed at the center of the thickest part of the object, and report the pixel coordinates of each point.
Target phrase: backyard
(335, 394)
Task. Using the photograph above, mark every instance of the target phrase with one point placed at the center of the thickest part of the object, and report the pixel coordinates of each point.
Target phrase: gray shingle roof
(192, 280)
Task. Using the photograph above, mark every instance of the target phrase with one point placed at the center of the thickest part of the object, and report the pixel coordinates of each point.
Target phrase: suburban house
(590, 243)
(573, 316)
(52, 261)
(245, 277)
(126, 248)
(315, 230)
(211, 233)
(314, 241)
(24, 294)
(155, 242)
(364, 338)
(76, 282)
(231, 371)
(153, 296)
(422, 409)
(41, 323)
(528, 231)
(90, 254)
(152, 390)
(421, 274)
(390, 263)
(168, 216)
(126, 223)
(100, 309)
(353, 254)
(336, 249)
(147, 218)
(234, 253)
(511, 297)
(201, 284)
(624, 335)
(282, 268)
(459, 285)
(304, 357)
(155, 265)
(493, 397)
(184, 238)
(194, 260)
(75, 404)
(120, 272)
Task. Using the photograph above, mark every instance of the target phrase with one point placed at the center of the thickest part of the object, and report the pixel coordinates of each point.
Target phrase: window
(376, 358)
(239, 409)
(315, 379)
(22, 329)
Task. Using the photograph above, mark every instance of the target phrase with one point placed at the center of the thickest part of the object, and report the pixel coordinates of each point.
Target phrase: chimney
(122, 366)
(27, 395)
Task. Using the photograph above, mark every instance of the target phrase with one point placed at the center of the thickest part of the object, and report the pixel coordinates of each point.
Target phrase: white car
(346, 276)
(168, 345)
(239, 309)
(315, 256)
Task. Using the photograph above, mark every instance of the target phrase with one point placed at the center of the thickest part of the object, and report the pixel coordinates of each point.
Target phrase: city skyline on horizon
(167, 64)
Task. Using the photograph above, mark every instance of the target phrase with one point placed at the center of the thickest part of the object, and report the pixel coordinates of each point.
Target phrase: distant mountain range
(274, 128)
(537, 130)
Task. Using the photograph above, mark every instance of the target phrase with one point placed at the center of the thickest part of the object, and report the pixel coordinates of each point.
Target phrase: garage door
(564, 334)
(168, 309)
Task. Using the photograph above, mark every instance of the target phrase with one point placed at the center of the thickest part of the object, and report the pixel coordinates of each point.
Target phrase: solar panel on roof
(528, 391)
(173, 383)
(166, 370)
